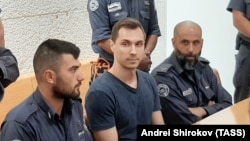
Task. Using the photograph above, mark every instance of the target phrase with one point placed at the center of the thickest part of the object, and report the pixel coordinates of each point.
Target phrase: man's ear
(112, 45)
(202, 43)
(173, 42)
(49, 76)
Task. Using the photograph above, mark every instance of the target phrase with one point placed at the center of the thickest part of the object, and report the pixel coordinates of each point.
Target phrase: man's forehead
(189, 34)
(130, 38)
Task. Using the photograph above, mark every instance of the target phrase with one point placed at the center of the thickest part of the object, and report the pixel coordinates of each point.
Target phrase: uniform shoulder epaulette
(164, 67)
(203, 60)
(23, 112)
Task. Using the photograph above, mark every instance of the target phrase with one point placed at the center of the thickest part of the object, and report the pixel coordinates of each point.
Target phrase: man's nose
(133, 50)
(190, 48)
(80, 76)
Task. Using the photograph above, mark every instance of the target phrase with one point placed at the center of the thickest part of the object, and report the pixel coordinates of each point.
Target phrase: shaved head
(187, 43)
(186, 25)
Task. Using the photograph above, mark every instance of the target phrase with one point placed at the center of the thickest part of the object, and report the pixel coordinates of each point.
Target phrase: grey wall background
(29, 22)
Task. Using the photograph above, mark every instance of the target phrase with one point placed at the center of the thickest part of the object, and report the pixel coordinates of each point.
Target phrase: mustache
(183, 56)
(78, 84)
(190, 55)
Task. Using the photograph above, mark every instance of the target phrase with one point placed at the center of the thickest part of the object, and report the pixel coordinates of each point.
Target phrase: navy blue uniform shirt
(103, 14)
(9, 71)
(241, 75)
(178, 91)
(34, 120)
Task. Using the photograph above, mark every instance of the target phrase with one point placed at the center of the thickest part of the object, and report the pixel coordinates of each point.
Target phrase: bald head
(187, 43)
(186, 26)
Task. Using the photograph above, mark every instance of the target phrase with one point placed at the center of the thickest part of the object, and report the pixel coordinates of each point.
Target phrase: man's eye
(74, 69)
(196, 42)
(139, 44)
(125, 44)
(185, 42)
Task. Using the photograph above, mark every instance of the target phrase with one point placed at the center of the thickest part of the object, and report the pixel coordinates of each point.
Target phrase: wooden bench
(26, 84)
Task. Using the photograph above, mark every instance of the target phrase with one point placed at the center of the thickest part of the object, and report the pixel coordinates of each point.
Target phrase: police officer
(9, 71)
(241, 19)
(187, 86)
(54, 111)
(103, 14)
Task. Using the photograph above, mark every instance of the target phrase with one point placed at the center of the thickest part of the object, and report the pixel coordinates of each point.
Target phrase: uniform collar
(177, 66)
(67, 106)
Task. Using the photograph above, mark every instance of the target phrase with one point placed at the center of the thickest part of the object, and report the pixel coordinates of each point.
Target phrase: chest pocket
(116, 16)
(247, 8)
(189, 96)
(144, 19)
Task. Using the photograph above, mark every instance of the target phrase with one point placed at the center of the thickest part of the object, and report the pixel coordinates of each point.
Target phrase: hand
(211, 103)
(145, 63)
(198, 111)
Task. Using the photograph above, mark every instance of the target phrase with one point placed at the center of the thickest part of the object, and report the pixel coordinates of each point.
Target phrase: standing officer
(103, 14)
(9, 71)
(241, 20)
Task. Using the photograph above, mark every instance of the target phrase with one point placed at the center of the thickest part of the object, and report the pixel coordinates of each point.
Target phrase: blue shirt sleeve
(157, 105)
(8, 66)
(100, 110)
(99, 19)
(237, 5)
(222, 98)
(11, 130)
(154, 28)
(174, 107)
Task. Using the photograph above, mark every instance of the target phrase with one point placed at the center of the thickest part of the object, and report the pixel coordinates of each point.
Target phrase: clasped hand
(145, 64)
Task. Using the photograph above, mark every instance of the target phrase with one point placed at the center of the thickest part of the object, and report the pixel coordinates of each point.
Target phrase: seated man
(9, 71)
(188, 88)
(117, 102)
(53, 112)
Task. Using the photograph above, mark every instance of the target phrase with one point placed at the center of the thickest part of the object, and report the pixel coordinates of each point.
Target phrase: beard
(185, 62)
(60, 91)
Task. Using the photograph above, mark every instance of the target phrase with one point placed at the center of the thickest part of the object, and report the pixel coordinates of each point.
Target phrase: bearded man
(188, 88)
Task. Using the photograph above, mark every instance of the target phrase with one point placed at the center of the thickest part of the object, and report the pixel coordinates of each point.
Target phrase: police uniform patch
(187, 92)
(116, 6)
(93, 5)
(163, 90)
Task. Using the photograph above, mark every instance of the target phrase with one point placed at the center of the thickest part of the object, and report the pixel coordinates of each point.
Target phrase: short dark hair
(129, 23)
(49, 54)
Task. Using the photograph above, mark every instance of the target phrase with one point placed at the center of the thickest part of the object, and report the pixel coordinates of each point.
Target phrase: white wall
(160, 50)
(218, 32)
